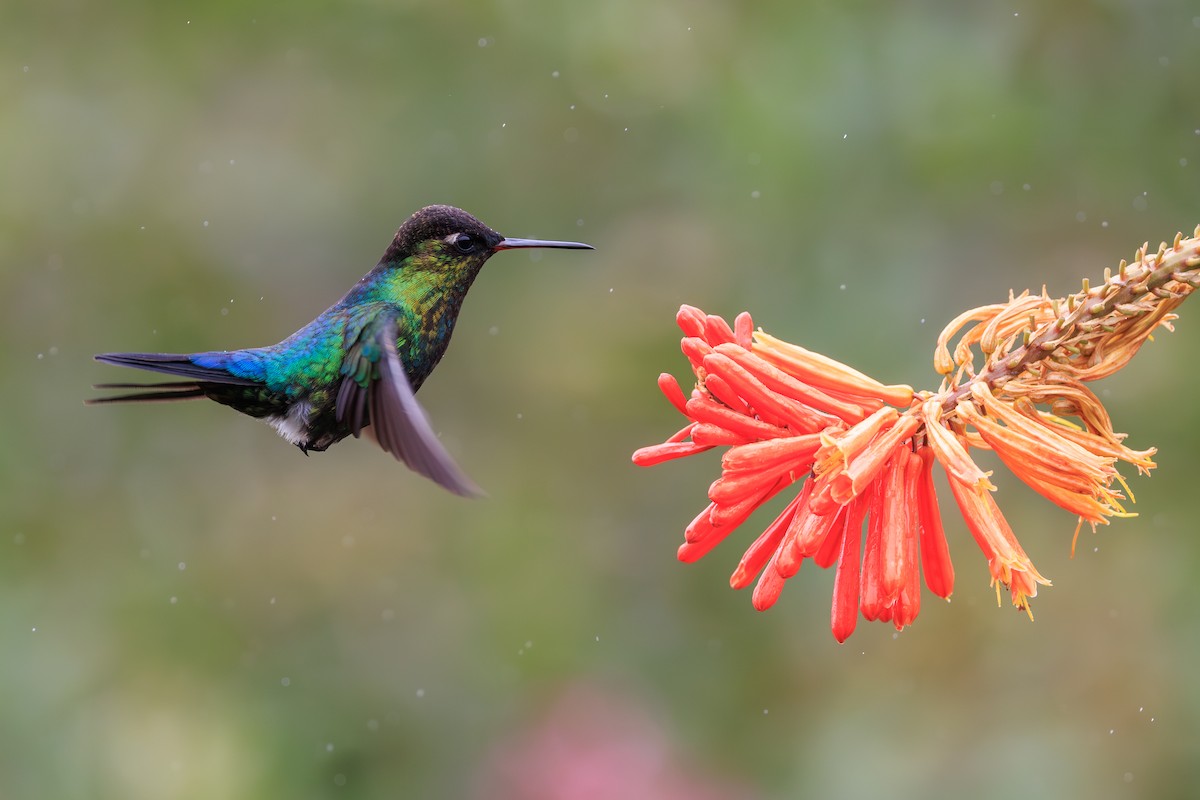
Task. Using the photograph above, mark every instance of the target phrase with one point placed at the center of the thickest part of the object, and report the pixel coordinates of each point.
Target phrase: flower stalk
(863, 451)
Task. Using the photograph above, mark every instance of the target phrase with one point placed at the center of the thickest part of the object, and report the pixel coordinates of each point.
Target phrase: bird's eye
(463, 242)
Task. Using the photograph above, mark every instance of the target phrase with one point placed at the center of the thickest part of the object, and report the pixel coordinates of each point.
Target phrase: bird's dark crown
(437, 222)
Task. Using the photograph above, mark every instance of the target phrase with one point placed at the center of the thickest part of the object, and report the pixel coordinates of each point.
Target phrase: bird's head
(449, 241)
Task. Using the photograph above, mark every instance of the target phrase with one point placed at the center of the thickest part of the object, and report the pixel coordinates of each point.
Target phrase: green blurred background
(191, 609)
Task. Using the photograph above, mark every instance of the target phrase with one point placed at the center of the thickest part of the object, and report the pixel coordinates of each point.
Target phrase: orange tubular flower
(863, 451)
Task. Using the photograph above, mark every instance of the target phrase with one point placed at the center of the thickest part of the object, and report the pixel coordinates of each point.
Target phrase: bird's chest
(422, 341)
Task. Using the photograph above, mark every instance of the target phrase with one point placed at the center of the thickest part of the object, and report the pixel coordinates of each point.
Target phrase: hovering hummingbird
(358, 365)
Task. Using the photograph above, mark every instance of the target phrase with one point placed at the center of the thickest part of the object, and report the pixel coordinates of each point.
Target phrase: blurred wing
(398, 421)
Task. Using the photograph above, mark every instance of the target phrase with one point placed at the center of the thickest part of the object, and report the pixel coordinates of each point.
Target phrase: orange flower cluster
(864, 451)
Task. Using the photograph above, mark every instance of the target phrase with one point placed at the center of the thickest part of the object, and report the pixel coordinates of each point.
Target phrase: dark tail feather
(162, 392)
(179, 364)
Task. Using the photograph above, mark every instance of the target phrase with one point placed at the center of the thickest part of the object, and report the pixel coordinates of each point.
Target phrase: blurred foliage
(190, 609)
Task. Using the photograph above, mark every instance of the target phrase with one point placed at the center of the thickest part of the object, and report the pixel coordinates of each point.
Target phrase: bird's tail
(201, 383)
(149, 392)
(183, 365)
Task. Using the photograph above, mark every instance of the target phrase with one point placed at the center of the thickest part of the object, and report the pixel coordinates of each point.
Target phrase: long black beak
(513, 244)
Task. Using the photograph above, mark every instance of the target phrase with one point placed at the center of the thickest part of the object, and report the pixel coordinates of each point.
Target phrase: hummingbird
(358, 365)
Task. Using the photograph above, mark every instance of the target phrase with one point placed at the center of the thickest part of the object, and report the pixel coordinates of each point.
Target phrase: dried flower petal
(1006, 560)
(950, 451)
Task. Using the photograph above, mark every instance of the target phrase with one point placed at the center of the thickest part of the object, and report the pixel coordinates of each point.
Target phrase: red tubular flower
(863, 451)
(872, 602)
(804, 538)
(844, 612)
(757, 555)
(935, 553)
(854, 465)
